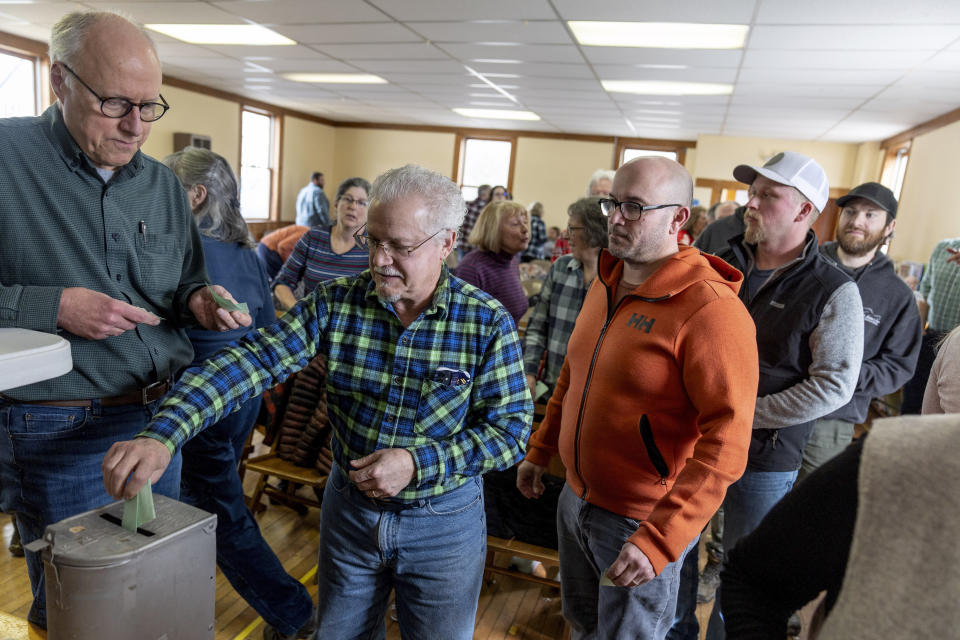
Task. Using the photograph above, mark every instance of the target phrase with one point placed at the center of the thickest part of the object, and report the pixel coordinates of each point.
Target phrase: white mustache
(384, 271)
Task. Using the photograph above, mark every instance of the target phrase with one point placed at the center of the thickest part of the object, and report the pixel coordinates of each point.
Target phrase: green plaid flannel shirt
(449, 388)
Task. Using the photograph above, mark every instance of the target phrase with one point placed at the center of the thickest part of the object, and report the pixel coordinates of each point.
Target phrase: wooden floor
(508, 609)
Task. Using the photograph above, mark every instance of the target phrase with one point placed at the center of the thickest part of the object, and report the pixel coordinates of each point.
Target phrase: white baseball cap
(792, 169)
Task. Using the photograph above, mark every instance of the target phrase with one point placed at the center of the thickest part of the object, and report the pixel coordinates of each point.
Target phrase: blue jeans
(685, 623)
(431, 553)
(748, 500)
(210, 482)
(590, 540)
(50, 469)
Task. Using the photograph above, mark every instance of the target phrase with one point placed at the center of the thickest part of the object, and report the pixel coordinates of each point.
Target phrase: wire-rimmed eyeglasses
(394, 251)
(116, 107)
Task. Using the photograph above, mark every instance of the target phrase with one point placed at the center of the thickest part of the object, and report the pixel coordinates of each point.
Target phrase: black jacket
(786, 311)
(891, 332)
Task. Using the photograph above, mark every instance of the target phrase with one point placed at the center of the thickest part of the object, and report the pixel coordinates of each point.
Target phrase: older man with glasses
(97, 243)
(426, 392)
(651, 413)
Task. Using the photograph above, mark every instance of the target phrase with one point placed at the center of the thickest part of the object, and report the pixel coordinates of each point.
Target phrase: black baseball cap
(875, 193)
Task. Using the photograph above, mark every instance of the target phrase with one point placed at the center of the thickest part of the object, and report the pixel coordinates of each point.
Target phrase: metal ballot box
(106, 583)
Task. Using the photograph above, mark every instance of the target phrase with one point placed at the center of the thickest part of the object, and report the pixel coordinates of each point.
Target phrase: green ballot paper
(229, 305)
(139, 510)
(605, 581)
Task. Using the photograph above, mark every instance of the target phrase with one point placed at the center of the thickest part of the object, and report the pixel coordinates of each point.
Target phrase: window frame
(459, 154)
(274, 155)
(37, 53)
(675, 146)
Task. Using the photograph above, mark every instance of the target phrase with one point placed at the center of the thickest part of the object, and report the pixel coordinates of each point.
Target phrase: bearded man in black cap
(891, 328)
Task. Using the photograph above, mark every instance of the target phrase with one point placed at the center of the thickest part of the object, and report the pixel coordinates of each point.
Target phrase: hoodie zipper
(586, 385)
(653, 452)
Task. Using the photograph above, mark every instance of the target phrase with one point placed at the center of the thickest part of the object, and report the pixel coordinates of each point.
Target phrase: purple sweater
(499, 275)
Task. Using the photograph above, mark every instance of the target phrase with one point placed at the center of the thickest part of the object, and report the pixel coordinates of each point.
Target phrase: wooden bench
(547, 557)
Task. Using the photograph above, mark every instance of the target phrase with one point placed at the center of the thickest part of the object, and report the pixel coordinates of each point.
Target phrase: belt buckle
(145, 391)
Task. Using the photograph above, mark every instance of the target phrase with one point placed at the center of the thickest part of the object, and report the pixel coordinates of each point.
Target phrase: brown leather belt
(146, 395)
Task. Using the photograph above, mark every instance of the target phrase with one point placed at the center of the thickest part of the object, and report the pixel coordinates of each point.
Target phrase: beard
(754, 233)
(860, 247)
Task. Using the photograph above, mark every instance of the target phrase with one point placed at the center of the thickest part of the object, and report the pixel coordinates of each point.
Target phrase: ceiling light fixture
(335, 78)
(498, 114)
(247, 34)
(496, 61)
(658, 88)
(659, 35)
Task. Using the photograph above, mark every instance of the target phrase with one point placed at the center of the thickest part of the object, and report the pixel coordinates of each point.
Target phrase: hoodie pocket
(656, 458)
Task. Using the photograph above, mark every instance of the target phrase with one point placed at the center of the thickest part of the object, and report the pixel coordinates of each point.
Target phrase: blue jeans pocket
(461, 499)
(34, 422)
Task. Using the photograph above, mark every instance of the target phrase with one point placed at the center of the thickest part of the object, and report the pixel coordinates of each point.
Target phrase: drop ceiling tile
(744, 89)
(539, 69)
(274, 52)
(283, 65)
(46, 13)
(832, 59)
(521, 31)
(447, 10)
(410, 66)
(171, 12)
(523, 52)
(370, 33)
(395, 51)
(723, 58)
(303, 11)
(857, 12)
(865, 37)
(878, 78)
(622, 72)
(719, 11)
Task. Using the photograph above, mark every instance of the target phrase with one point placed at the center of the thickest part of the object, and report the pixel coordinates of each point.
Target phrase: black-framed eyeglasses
(393, 251)
(116, 107)
(630, 210)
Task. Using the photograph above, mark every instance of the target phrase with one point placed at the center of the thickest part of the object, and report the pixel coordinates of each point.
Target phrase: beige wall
(718, 155)
(307, 147)
(926, 213)
(369, 152)
(192, 112)
(556, 173)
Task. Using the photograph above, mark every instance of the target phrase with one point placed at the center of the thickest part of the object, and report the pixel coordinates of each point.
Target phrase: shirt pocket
(441, 408)
(161, 262)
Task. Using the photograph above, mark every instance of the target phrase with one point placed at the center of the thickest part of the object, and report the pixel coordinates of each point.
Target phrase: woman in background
(561, 296)
(324, 253)
(500, 235)
(209, 478)
(698, 221)
(942, 394)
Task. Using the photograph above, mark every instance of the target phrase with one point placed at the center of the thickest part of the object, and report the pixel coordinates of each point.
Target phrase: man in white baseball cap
(809, 322)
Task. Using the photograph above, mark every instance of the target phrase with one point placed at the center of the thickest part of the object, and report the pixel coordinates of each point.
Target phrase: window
(484, 161)
(256, 164)
(629, 153)
(18, 86)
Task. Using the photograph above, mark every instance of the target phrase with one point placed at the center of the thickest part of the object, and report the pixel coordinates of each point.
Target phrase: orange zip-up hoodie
(653, 411)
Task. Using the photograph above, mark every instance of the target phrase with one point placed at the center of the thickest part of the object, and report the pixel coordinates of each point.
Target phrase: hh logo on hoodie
(641, 322)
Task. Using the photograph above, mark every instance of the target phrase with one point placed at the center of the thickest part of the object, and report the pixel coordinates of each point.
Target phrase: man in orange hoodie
(652, 412)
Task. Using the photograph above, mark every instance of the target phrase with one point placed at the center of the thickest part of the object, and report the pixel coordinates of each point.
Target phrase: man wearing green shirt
(425, 393)
(98, 244)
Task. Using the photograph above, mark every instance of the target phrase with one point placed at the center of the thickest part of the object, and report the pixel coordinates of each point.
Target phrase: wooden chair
(271, 465)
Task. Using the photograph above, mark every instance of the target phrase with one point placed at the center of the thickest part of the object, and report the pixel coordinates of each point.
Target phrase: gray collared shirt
(133, 239)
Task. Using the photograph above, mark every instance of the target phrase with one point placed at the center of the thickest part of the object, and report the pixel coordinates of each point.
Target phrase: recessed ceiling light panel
(659, 35)
(658, 88)
(498, 114)
(335, 78)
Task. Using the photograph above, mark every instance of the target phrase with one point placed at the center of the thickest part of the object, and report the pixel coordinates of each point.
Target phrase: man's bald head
(674, 181)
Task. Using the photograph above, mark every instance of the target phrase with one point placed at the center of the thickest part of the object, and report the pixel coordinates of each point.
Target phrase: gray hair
(587, 211)
(350, 183)
(71, 31)
(599, 175)
(219, 214)
(441, 197)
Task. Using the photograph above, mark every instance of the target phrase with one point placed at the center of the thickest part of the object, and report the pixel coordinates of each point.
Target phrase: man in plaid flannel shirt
(425, 392)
